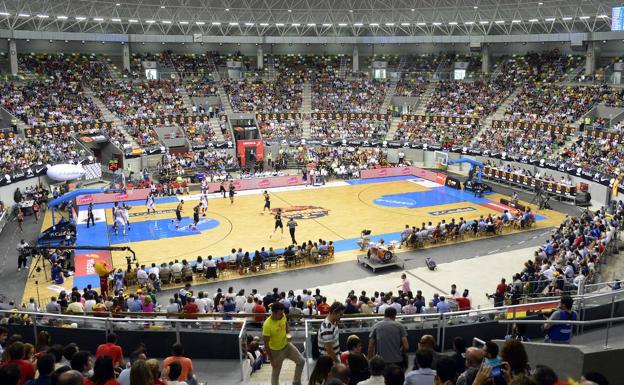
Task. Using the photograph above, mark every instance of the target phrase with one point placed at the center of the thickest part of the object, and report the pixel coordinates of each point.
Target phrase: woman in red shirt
(103, 373)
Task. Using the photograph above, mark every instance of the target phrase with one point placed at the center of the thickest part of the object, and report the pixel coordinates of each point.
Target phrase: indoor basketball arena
(199, 192)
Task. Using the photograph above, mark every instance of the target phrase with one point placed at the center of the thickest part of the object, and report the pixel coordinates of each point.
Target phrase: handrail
(195, 317)
(558, 322)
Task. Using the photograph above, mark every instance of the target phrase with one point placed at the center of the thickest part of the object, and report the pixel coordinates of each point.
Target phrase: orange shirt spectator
(110, 348)
(177, 351)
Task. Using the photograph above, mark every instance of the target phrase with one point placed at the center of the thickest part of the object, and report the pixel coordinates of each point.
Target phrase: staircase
(574, 74)
(225, 100)
(216, 128)
(390, 90)
(305, 128)
(421, 109)
(342, 70)
(115, 71)
(306, 105)
(271, 72)
(212, 67)
(499, 114)
(186, 100)
(108, 116)
(394, 127)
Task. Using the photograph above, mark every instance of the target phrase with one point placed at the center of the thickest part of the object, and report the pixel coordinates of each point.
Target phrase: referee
(291, 227)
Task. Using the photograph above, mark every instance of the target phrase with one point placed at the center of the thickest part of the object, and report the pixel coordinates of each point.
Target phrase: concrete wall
(608, 49)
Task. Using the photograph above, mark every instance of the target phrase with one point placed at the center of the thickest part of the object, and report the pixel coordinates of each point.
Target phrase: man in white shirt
(200, 301)
(240, 300)
(249, 305)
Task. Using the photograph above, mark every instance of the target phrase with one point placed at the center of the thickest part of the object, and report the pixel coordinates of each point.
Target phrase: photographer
(22, 254)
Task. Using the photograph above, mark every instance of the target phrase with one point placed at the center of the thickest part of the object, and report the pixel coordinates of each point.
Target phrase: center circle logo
(303, 212)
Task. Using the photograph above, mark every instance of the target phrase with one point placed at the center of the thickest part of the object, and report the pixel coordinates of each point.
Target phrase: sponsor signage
(534, 126)
(88, 128)
(181, 120)
(524, 180)
(145, 213)
(452, 211)
(278, 117)
(463, 120)
(350, 116)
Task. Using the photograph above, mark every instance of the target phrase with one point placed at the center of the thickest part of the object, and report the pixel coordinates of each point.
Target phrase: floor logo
(452, 211)
(145, 213)
(303, 212)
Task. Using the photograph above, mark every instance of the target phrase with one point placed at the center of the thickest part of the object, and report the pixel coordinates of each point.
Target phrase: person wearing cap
(274, 331)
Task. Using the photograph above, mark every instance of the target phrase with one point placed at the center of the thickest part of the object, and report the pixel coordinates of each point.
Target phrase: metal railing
(579, 324)
(111, 324)
(506, 315)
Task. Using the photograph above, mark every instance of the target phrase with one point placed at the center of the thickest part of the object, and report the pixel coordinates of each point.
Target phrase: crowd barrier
(261, 183)
(383, 172)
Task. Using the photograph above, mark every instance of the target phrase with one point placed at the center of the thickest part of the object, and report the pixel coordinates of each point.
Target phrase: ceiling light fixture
(98, 19)
(61, 17)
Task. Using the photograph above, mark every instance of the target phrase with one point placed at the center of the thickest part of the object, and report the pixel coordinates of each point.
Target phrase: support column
(591, 58)
(356, 59)
(260, 58)
(13, 57)
(486, 59)
(126, 56)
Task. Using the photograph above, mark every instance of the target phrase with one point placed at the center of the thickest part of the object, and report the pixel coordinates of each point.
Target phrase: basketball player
(178, 214)
(150, 203)
(195, 216)
(278, 223)
(126, 215)
(203, 202)
(232, 192)
(222, 189)
(267, 201)
(119, 219)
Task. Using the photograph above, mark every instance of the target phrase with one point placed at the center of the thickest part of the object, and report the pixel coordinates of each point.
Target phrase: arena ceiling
(325, 18)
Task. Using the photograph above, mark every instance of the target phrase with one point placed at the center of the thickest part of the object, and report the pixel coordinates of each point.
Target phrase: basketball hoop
(441, 160)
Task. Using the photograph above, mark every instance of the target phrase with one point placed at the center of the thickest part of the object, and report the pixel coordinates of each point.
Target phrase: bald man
(70, 377)
(474, 358)
(428, 342)
(338, 375)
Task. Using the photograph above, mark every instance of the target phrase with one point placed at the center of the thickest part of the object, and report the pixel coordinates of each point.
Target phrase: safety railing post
(606, 344)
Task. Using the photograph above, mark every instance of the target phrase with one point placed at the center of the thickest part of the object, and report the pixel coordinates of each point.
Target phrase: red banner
(384, 172)
(85, 262)
(261, 183)
(130, 195)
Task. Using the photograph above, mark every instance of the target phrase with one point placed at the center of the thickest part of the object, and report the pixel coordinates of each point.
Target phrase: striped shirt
(328, 332)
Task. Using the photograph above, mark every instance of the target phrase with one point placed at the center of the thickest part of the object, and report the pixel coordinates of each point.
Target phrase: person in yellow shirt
(274, 331)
